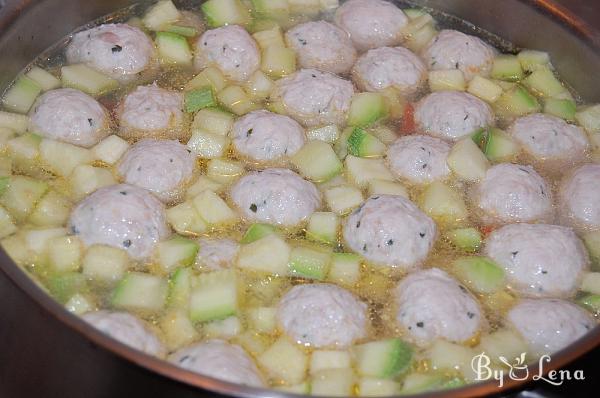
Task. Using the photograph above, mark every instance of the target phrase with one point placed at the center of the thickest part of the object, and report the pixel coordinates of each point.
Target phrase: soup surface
(339, 200)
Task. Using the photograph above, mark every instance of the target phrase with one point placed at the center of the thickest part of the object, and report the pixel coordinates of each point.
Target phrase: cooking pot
(48, 352)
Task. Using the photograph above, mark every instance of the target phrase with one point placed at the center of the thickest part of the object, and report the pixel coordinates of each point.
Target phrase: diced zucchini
(562, 108)
(21, 96)
(309, 262)
(444, 355)
(323, 227)
(383, 133)
(7, 226)
(592, 243)
(185, 219)
(235, 99)
(417, 23)
(258, 231)
(360, 170)
(269, 38)
(64, 285)
(202, 184)
(105, 263)
(222, 328)
(44, 79)
(480, 274)
(284, 361)
(516, 102)
(502, 343)
(467, 239)
(262, 319)
(186, 31)
(25, 147)
(384, 187)
(449, 79)
(413, 13)
(224, 171)
(366, 109)
(333, 383)
(14, 121)
(195, 100)
(589, 118)
(421, 382)
(591, 302)
(344, 269)
(65, 253)
(163, 12)
(278, 61)
(395, 102)
(174, 49)
(176, 252)
(372, 387)
(328, 134)
(209, 77)
(322, 359)
(300, 388)
(213, 209)
(343, 199)
(507, 67)
(21, 195)
(317, 161)
(79, 304)
(252, 342)
(365, 145)
(417, 39)
(86, 79)
(544, 83)
(37, 239)
(306, 7)
(180, 288)
(225, 12)
(110, 149)
(444, 204)
(214, 297)
(499, 146)
(485, 89)
(384, 359)
(139, 291)
(259, 85)
(177, 329)
(6, 164)
(62, 158)
(213, 120)
(208, 145)
(271, 8)
(532, 60)
(590, 283)
(467, 161)
(268, 254)
(86, 179)
(5, 135)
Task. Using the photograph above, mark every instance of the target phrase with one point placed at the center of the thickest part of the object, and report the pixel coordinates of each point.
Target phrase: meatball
(539, 260)
(548, 138)
(229, 48)
(371, 23)
(217, 253)
(452, 49)
(275, 196)
(322, 315)
(160, 166)
(387, 67)
(314, 98)
(549, 325)
(121, 216)
(579, 198)
(221, 360)
(433, 305)
(451, 115)
(322, 46)
(69, 116)
(420, 159)
(263, 136)
(151, 111)
(118, 50)
(390, 230)
(513, 193)
(127, 329)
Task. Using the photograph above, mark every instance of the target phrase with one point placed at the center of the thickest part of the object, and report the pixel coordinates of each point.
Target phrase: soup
(325, 199)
